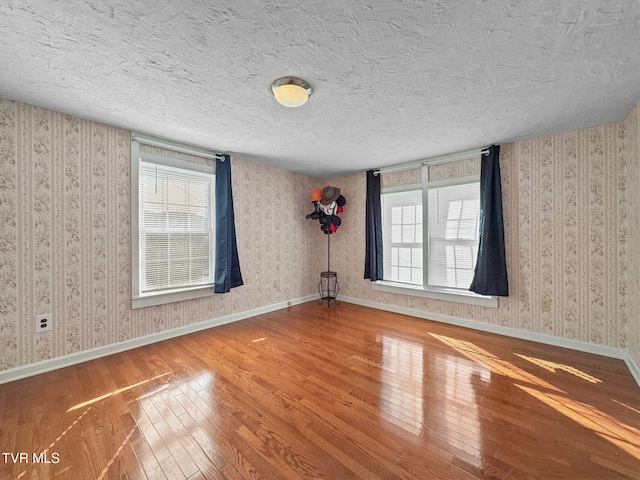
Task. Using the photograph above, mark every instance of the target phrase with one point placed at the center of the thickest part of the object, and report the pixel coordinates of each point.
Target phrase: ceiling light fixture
(291, 91)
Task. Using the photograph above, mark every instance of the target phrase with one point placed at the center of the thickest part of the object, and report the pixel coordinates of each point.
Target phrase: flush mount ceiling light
(291, 91)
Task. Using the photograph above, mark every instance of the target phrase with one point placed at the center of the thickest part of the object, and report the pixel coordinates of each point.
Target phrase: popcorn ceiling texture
(394, 81)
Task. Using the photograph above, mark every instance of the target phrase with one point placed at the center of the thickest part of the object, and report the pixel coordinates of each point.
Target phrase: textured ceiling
(394, 80)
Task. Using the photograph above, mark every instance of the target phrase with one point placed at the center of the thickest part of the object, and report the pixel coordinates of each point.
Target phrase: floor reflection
(460, 421)
(625, 405)
(618, 433)
(115, 392)
(494, 363)
(179, 410)
(553, 367)
(402, 376)
(623, 436)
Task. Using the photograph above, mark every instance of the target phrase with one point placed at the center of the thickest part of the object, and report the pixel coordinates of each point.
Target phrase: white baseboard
(633, 367)
(500, 330)
(43, 366)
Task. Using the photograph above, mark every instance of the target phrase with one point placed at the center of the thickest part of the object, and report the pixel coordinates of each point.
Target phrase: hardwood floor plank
(336, 393)
(222, 425)
(146, 458)
(177, 451)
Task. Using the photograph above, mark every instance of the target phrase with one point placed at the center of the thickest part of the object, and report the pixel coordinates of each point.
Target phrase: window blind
(453, 234)
(176, 227)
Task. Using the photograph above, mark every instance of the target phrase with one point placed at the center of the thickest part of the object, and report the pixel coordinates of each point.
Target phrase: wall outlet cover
(44, 323)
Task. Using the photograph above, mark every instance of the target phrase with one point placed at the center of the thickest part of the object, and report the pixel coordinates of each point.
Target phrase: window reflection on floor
(402, 375)
(182, 408)
(460, 420)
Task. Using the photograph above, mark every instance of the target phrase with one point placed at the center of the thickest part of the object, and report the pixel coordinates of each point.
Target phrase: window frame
(141, 299)
(426, 290)
(387, 238)
(453, 182)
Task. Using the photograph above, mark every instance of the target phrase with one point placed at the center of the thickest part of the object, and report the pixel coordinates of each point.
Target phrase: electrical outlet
(43, 323)
(289, 303)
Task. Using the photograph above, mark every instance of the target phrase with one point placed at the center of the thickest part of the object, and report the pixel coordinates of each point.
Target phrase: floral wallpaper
(443, 171)
(399, 179)
(64, 241)
(566, 219)
(571, 213)
(632, 125)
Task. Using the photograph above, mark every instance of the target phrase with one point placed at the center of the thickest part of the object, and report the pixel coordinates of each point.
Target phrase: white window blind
(450, 252)
(430, 235)
(453, 234)
(176, 227)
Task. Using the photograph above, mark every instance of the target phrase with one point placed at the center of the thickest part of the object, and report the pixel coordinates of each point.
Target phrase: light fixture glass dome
(291, 91)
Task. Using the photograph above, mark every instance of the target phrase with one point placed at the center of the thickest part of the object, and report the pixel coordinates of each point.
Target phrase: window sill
(449, 296)
(171, 296)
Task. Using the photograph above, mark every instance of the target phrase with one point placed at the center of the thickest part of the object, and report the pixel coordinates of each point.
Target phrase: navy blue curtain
(373, 256)
(227, 274)
(490, 276)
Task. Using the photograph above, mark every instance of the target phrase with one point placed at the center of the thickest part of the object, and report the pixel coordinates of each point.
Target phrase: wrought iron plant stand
(328, 286)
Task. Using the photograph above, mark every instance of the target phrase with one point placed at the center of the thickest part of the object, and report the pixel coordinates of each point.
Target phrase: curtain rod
(172, 146)
(433, 161)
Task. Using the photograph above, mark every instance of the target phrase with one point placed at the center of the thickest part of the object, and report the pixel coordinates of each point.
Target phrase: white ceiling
(394, 80)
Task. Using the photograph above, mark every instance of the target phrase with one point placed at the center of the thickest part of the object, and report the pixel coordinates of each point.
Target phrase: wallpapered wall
(632, 125)
(566, 210)
(572, 223)
(64, 240)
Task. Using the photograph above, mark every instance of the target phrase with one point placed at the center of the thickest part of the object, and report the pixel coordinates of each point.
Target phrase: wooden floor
(333, 393)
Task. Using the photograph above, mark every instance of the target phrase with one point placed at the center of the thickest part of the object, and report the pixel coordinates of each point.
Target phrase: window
(173, 225)
(402, 236)
(453, 234)
(430, 239)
